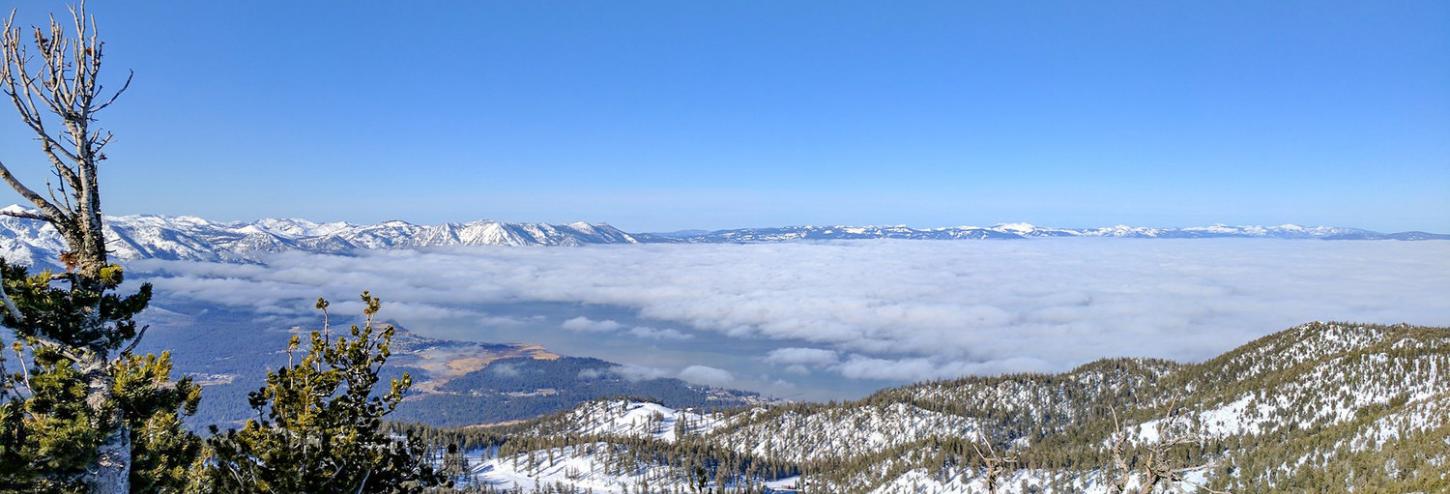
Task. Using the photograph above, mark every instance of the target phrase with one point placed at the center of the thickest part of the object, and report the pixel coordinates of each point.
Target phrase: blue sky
(669, 115)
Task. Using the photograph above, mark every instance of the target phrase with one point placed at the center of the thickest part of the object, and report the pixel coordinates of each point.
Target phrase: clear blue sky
(668, 115)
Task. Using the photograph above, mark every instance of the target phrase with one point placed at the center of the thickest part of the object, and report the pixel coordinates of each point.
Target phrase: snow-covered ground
(1325, 394)
(843, 432)
(1026, 481)
(596, 467)
(585, 467)
(639, 419)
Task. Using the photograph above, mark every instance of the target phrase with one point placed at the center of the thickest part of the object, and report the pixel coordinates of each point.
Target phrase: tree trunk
(113, 463)
(112, 472)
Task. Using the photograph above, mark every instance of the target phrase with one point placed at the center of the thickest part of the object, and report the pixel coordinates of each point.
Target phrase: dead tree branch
(994, 463)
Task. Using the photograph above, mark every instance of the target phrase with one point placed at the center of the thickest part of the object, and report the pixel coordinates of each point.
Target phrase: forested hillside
(1319, 407)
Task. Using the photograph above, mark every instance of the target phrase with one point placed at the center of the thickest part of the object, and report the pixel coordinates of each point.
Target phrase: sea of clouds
(880, 310)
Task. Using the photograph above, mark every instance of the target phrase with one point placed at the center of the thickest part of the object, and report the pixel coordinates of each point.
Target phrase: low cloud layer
(584, 324)
(885, 310)
(706, 375)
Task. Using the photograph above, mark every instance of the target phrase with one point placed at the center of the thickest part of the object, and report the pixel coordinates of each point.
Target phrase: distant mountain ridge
(1024, 230)
(192, 238)
(197, 239)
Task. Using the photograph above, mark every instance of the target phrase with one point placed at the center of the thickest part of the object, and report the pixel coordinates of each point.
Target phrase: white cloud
(505, 369)
(919, 368)
(659, 334)
(857, 366)
(802, 356)
(895, 310)
(499, 321)
(584, 324)
(708, 376)
(635, 373)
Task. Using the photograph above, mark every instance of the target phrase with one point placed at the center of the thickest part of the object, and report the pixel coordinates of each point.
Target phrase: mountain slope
(1318, 407)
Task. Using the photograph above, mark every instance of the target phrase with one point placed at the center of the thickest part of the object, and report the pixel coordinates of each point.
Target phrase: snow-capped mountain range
(197, 239)
(1024, 230)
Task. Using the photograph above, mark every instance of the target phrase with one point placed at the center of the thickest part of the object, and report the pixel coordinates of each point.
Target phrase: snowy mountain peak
(193, 238)
(1027, 230)
(15, 209)
(1016, 227)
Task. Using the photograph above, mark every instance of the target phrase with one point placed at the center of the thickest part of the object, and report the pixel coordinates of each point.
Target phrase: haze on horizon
(659, 116)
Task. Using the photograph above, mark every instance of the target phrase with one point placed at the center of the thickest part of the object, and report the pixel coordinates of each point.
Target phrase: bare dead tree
(1156, 460)
(1175, 430)
(994, 463)
(1118, 471)
(56, 91)
(64, 84)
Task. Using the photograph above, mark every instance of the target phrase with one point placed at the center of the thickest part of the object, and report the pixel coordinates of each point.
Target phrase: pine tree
(47, 435)
(318, 426)
(53, 423)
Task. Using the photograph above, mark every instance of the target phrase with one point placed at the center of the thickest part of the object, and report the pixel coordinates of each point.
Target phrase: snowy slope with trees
(1318, 407)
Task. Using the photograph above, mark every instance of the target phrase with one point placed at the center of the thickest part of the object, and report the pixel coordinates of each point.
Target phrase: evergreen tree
(52, 423)
(319, 423)
(83, 411)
